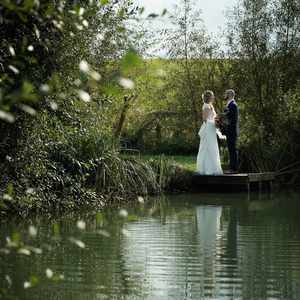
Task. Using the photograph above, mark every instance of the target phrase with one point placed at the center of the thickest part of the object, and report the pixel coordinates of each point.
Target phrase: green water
(180, 247)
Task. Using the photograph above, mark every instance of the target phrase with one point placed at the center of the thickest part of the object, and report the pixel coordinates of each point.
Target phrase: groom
(231, 130)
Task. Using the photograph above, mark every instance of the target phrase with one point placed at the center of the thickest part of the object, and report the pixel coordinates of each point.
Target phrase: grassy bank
(58, 183)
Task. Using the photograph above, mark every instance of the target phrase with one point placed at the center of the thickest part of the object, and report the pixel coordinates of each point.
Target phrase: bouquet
(221, 120)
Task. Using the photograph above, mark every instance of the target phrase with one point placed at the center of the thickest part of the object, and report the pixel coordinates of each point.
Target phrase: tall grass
(133, 176)
(125, 176)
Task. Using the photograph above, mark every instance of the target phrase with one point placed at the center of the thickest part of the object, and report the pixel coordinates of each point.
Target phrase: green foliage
(264, 39)
(30, 30)
(50, 157)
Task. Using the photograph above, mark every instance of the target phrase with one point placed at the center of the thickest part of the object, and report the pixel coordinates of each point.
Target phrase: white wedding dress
(208, 159)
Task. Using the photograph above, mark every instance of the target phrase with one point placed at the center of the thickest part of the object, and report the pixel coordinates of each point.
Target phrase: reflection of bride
(208, 225)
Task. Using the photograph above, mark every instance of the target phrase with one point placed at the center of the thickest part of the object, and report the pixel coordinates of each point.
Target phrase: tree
(188, 45)
(264, 50)
(287, 25)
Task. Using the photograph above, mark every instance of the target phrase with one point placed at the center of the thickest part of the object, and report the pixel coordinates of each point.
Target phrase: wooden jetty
(233, 181)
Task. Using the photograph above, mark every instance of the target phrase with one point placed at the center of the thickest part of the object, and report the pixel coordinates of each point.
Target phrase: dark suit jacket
(232, 114)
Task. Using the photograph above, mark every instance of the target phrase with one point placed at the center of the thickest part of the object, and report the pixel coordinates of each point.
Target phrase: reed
(127, 176)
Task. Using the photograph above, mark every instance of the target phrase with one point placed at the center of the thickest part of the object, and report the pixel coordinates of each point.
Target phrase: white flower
(30, 48)
(84, 96)
(7, 197)
(12, 51)
(24, 251)
(85, 23)
(27, 285)
(100, 36)
(79, 27)
(8, 158)
(49, 273)
(84, 66)
(123, 213)
(81, 225)
(78, 243)
(10, 243)
(45, 88)
(32, 231)
(14, 69)
(95, 75)
(57, 24)
(8, 279)
(104, 233)
(37, 33)
(126, 83)
(37, 3)
(30, 191)
(81, 11)
(6, 116)
(141, 199)
(53, 105)
(77, 82)
(37, 250)
(28, 109)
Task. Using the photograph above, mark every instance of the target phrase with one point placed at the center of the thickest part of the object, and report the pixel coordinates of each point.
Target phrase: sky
(213, 11)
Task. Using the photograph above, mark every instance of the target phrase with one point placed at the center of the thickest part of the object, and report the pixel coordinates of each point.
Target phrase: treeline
(261, 64)
(265, 37)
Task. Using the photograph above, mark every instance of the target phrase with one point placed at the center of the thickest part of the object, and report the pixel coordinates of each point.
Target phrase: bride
(208, 159)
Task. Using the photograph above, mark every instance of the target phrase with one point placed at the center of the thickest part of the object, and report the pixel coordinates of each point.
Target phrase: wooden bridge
(246, 181)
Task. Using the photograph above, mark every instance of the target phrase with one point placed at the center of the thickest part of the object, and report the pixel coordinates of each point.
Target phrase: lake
(198, 246)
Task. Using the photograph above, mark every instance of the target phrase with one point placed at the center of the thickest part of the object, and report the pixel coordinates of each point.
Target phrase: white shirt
(229, 101)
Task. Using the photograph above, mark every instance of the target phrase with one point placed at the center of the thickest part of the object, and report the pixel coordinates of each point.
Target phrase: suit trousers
(233, 152)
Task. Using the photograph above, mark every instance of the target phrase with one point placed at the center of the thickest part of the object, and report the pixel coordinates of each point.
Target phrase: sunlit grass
(187, 162)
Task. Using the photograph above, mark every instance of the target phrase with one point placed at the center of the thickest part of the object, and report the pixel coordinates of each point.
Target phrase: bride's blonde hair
(206, 96)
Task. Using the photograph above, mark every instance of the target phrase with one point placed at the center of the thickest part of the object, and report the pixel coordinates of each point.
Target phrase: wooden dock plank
(256, 177)
(243, 179)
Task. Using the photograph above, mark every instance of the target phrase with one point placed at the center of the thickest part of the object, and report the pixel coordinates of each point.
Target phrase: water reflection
(209, 243)
(183, 247)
